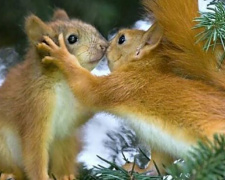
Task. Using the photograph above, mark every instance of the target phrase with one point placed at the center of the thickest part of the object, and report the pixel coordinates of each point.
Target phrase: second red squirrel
(170, 112)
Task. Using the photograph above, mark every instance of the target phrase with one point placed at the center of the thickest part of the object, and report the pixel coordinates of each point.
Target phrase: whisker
(82, 52)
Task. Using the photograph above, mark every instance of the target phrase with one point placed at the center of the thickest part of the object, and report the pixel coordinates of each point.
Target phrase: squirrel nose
(103, 47)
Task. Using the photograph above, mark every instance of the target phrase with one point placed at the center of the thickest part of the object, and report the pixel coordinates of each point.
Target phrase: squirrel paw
(67, 177)
(49, 59)
(70, 177)
(57, 53)
(49, 45)
(7, 177)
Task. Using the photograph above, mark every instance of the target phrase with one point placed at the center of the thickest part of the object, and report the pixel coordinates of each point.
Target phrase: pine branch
(213, 23)
(205, 162)
(115, 172)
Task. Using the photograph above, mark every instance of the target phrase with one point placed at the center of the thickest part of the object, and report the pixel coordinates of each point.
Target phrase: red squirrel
(39, 115)
(170, 112)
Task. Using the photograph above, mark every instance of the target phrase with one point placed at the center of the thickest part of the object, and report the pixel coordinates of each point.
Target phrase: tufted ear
(151, 39)
(60, 14)
(36, 28)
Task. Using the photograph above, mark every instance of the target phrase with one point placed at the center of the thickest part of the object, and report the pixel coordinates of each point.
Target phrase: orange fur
(38, 113)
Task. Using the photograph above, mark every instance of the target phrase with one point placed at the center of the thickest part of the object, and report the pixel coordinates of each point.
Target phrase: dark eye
(121, 39)
(72, 39)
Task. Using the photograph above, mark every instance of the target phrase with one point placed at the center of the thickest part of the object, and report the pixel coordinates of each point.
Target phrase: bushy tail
(186, 57)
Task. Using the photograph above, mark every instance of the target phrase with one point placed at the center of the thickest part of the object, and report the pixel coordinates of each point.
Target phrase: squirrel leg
(35, 153)
(62, 157)
(161, 160)
(36, 134)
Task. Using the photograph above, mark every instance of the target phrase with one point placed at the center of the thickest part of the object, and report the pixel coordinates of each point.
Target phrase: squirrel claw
(66, 177)
(48, 59)
(70, 177)
(50, 42)
(43, 47)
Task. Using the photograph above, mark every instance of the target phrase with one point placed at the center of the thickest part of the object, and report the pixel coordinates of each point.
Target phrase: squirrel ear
(36, 28)
(153, 35)
(151, 39)
(60, 14)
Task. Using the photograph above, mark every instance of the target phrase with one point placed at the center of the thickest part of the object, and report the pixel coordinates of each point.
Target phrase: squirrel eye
(72, 39)
(121, 39)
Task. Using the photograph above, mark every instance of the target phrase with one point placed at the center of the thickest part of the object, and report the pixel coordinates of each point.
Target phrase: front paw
(7, 177)
(66, 177)
(49, 60)
(70, 177)
(57, 54)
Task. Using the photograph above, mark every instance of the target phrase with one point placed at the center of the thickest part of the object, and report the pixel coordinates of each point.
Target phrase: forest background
(105, 15)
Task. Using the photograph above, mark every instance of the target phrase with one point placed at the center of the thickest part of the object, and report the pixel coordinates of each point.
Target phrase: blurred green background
(103, 14)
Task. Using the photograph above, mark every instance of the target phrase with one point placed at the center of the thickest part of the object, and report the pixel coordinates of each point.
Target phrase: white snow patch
(95, 133)
(142, 25)
(169, 177)
(202, 5)
(2, 78)
(102, 68)
(1, 81)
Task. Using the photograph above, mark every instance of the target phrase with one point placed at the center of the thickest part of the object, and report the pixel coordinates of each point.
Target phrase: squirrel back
(186, 57)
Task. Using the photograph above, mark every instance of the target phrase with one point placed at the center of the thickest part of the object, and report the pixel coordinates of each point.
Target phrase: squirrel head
(81, 39)
(132, 44)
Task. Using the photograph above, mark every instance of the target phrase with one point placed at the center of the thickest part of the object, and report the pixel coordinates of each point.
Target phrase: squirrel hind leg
(161, 160)
(63, 153)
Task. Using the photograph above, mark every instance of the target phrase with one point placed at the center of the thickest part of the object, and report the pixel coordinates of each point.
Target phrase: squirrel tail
(186, 57)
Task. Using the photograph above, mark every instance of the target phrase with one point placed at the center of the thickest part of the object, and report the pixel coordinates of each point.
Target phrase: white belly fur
(65, 112)
(10, 146)
(158, 138)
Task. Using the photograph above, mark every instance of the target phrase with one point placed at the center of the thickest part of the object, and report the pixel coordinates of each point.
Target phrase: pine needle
(206, 161)
(213, 23)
